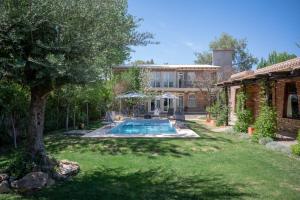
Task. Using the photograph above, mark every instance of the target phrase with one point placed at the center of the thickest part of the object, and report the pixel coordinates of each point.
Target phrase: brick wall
(201, 102)
(286, 126)
(253, 99)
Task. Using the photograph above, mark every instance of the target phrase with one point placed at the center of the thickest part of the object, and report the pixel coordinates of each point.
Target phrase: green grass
(215, 166)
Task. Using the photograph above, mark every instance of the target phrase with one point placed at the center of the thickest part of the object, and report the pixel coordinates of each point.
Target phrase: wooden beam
(227, 105)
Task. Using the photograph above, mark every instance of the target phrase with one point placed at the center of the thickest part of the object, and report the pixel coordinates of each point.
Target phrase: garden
(214, 166)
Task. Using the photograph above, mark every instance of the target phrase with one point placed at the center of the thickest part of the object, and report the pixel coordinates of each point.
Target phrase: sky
(183, 27)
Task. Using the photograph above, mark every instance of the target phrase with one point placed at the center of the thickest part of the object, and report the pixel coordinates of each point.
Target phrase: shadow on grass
(207, 134)
(151, 184)
(162, 147)
(151, 147)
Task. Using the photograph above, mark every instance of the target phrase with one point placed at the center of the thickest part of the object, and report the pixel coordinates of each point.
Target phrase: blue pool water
(144, 126)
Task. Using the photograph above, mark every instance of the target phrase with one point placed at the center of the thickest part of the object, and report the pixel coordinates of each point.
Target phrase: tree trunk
(67, 117)
(87, 114)
(13, 130)
(36, 147)
(74, 118)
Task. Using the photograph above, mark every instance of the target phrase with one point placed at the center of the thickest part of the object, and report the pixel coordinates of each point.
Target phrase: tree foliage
(204, 58)
(242, 58)
(244, 116)
(46, 44)
(14, 100)
(274, 58)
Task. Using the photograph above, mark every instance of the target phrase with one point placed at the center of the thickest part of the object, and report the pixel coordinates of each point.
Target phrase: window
(191, 78)
(169, 79)
(192, 101)
(158, 104)
(291, 105)
(152, 105)
(155, 79)
(168, 103)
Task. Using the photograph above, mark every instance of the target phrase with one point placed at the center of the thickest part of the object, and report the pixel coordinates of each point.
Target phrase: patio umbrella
(130, 95)
(168, 96)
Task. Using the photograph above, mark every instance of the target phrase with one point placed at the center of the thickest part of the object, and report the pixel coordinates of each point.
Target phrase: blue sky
(184, 27)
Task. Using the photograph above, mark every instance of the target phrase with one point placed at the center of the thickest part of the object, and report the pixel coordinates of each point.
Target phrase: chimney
(223, 58)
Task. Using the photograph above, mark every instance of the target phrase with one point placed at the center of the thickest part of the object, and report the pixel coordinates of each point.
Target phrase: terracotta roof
(288, 65)
(283, 66)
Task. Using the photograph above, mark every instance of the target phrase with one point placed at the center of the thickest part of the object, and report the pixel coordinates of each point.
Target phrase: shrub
(296, 147)
(266, 123)
(244, 116)
(219, 110)
(223, 116)
(244, 119)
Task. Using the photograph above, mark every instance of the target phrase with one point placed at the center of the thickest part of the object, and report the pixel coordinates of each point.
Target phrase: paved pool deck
(181, 132)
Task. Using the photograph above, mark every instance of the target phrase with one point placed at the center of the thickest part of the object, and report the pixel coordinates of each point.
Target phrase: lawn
(214, 166)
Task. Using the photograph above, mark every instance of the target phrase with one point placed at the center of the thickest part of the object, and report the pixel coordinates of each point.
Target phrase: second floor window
(169, 79)
(155, 79)
(191, 78)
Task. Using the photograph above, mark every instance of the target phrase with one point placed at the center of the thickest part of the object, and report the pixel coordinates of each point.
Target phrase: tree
(275, 57)
(142, 62)
(45, 44)
(204, 58)
(242, 59)
(13, 103)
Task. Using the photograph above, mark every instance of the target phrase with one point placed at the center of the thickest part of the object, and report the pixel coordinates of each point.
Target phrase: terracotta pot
(212, 122)
(250, 131)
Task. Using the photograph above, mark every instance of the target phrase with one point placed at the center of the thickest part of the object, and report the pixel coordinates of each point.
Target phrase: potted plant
(250, 130)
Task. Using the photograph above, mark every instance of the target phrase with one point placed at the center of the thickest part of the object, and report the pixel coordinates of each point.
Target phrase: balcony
(180, 86)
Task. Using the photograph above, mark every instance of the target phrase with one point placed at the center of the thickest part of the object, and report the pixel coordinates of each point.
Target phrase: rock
(3, 177)
(50, 182)
(265, 140)
(30, 182)
(68, 168)
(59, 177)
(11, 179)
(4, 187)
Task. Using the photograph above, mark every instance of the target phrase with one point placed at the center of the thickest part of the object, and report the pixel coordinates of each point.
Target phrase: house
(282, 81)
(189, 83)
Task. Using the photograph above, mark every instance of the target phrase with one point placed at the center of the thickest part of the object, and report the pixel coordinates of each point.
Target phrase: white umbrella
(132, 95)
(168, 96)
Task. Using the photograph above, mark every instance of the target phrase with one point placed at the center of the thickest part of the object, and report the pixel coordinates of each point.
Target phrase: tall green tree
(273, 58)
(45, 44)
(242, 58)
(204, 58)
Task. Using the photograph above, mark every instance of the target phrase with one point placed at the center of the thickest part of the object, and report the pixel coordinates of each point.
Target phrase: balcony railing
(179, 84)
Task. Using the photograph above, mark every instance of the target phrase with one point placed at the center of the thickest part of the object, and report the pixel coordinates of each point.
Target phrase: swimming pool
(143, 127)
